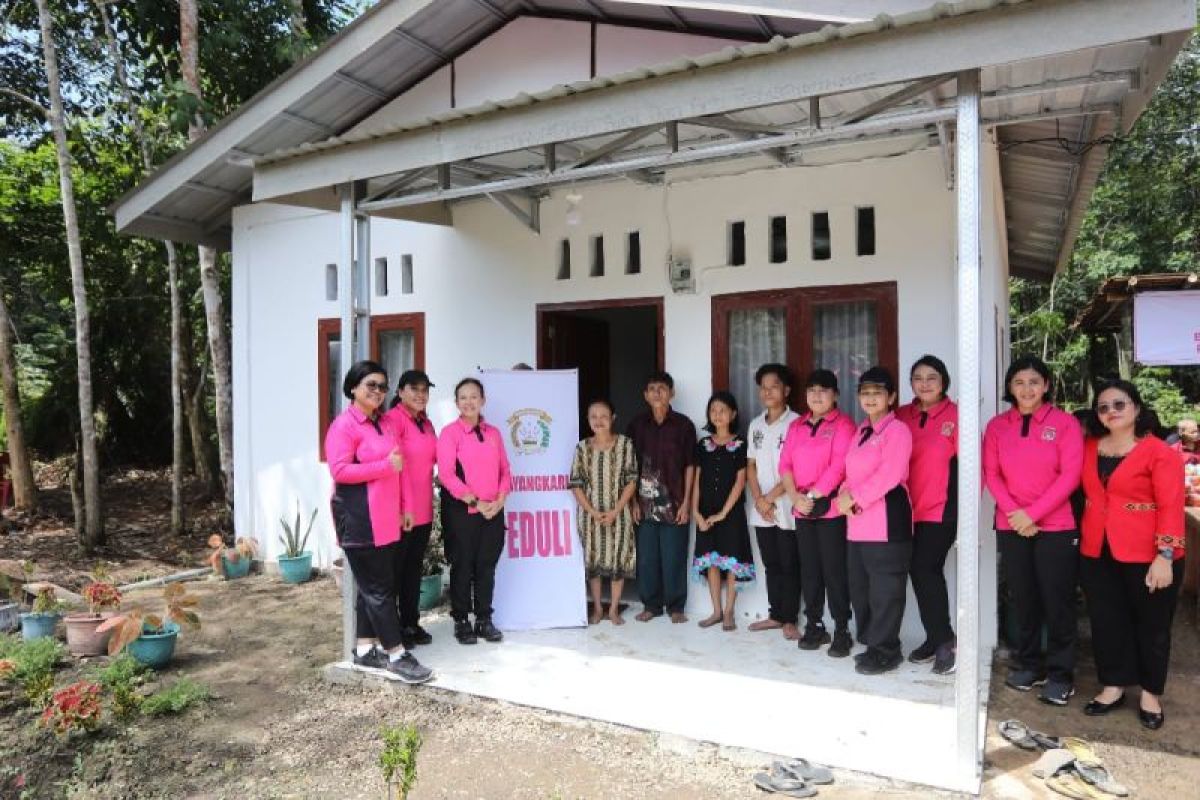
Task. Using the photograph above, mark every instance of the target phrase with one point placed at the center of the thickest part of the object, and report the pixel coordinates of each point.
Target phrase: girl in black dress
(722, 538)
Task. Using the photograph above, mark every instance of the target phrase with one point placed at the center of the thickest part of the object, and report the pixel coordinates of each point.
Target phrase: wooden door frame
(544, 309)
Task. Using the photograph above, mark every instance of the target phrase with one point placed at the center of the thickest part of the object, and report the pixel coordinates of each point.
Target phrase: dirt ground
(275, 729)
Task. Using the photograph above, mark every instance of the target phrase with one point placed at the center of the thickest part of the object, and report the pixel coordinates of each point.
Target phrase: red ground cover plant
(73, 708)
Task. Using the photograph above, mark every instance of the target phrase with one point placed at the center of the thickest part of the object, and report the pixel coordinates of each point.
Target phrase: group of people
(845, 515)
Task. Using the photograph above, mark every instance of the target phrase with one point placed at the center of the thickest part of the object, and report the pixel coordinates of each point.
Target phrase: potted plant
(433, 564)
(231, 562)
(10, 604)
(83, 635)
(295, 563)
(42, 619)
(151, 638)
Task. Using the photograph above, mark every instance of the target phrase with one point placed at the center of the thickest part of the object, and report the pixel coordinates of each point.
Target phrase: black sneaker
(411, 637)
(842, 645)
(877, 663)
(464, 632)
(373, 659)
(406, 668)
(1024, 679)
(944, 659)
(485, 629)
(814, 636)
(1056, 692)
(923, 654)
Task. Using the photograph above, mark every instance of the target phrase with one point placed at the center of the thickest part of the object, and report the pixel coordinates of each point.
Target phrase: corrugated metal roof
(1103, 312)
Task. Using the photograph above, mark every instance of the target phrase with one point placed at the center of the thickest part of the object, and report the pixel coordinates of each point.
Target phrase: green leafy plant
(31, 665)
(291, 539)
(180, 609)
(434, 561)
(74, 708)
(175, 699)
(398, 759)
(121, 678)
(47, 602)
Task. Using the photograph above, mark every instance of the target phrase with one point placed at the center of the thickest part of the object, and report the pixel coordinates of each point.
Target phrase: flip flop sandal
(1016, 732)
(1099, 776)
(1052, 762)
(805, 770)
(1082, 750)
(788, 787)
(1045, 741)
(1069, 784)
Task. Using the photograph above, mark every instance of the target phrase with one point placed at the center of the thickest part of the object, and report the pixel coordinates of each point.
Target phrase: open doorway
(614, 344)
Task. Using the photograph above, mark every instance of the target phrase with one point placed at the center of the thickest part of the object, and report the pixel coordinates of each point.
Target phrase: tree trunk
(24, 489)
(93, 527)
(178, 521)
(214, 316)
(203, 458)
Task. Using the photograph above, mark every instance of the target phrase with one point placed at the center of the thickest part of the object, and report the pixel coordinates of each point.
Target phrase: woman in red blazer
(1132, 549)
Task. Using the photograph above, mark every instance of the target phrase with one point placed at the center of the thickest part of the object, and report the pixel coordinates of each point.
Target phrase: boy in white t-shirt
(770, 510)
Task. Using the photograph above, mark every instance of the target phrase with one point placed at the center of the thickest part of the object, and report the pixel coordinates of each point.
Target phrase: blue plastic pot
(235, 569)
(431, 591)
(296, 570)
(155, 649)
(38, 625)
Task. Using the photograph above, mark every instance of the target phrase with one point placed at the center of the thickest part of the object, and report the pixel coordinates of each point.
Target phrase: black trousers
(374, 571)
(878, 590)
(782, 564)
(931, 545)
(821, 545)
(410, 555)
(1131, 626)
(1040, 572)
(473, 547)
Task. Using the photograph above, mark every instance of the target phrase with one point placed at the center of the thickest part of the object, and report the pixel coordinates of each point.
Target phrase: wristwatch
(1167, 552)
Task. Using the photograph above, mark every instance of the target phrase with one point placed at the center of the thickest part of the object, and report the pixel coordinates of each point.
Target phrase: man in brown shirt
(665, 442)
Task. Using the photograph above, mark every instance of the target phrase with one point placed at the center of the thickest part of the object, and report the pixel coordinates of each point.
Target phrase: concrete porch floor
(746, 690)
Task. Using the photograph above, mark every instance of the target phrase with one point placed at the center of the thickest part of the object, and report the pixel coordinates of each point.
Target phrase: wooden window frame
(329, 327)
(543, 329)
(800, 304)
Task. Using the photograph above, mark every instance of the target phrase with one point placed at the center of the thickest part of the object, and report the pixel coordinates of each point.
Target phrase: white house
(701, 185)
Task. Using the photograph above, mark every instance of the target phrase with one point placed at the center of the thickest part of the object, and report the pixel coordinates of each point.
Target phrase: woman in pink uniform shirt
(879, 529)
(932, 419)
(473, 469)
(418, 446)
(364, 458)
(1032, 459)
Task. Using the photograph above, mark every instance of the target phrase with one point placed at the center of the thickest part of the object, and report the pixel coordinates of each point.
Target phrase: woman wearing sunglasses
(362, 449)
(1132, 549)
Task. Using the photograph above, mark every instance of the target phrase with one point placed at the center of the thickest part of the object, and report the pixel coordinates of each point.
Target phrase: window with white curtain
(756, 336)
(845, 341)
(397, 352)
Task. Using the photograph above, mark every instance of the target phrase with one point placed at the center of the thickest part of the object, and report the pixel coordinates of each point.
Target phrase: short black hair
(357, 372)
(937, 365)
(1023, 363)
(659, 376)
(825, 378)
(878, 376)
(466, 381)
(1146, 422)
(602, 401)
(780, 371)
(728, 399)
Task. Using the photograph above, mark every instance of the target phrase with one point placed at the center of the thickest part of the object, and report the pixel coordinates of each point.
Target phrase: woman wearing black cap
(879, 530)
(418, 445)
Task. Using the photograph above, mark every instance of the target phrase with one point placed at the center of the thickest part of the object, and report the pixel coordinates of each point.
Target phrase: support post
(354, 299)
(966, 682)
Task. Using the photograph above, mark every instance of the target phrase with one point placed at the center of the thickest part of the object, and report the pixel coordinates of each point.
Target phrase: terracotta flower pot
(82, 638)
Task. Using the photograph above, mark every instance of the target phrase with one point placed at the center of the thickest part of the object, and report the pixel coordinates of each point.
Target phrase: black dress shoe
(485, 629)
(464, 633)
(1095, 708)
(1151, 720)
(415, 636)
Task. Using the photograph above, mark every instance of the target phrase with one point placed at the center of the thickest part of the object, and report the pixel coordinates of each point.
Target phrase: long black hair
(1023, 363)
(729, 400)
(1146, 422)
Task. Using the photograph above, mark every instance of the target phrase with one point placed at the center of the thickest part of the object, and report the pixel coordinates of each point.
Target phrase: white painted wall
(478, 284)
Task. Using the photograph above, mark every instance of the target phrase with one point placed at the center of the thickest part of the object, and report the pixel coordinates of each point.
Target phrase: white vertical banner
(539, 580)
(1166, 328)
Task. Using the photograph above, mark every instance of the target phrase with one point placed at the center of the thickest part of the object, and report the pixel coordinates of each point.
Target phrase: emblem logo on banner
(540, 578)
(529, 430)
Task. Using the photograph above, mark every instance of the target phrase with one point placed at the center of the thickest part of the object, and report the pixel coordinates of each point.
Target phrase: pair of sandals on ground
(1069, 765)
(793, 777)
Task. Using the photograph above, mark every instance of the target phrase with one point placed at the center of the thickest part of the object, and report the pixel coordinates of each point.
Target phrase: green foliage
(293, 542)
(121, 678)
(31, 666)
(175, 699)
(398, 759)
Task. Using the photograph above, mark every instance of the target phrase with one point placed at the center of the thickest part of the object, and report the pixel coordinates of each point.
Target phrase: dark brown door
(575, 342)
